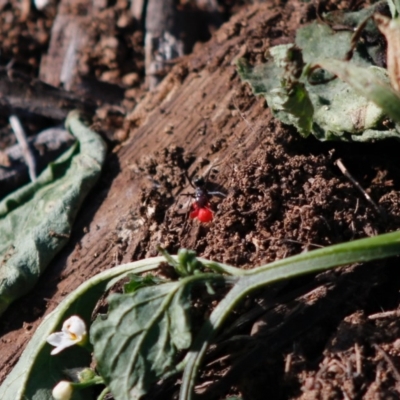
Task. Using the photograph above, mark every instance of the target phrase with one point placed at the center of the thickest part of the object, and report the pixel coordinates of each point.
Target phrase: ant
(201, 208)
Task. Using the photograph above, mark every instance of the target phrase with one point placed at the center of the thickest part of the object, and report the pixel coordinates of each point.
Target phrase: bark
(162, 40)
(25, 96)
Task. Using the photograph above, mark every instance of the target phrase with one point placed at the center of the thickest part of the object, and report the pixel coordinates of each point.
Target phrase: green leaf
(290, 100)
(186, 264)
(297, 108)
(349, 108)
(137, 343)
(394, 6)
(37, 372)
(136, 282)
(318, 40)
(36, 220)
(372, 82)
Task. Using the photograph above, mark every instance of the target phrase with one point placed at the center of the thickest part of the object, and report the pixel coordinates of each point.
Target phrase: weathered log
(23, 95)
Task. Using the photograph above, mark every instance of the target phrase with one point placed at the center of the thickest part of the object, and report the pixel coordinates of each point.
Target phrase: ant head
(199, 182)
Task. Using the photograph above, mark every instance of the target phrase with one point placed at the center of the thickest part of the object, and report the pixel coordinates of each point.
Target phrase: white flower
(63, 390)
(73, 332)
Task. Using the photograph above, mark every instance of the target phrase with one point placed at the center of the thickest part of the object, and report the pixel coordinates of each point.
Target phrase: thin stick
(23, 142)
(389, 362)
(244, 118)
(385, 314)
(347, 174)
(358, 359)
(288, 363)
(298, 242)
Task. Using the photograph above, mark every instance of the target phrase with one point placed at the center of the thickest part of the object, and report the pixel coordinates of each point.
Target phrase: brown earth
(315, 337)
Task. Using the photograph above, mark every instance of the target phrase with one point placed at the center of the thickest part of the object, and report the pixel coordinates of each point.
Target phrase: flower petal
(75, 326)
(60, 340)
(73, 332)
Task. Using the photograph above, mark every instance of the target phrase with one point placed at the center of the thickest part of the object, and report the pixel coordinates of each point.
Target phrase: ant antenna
(201, 180)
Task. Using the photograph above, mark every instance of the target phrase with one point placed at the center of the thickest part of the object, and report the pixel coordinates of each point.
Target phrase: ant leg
(214, 164)
(189, 180)
(200, 181)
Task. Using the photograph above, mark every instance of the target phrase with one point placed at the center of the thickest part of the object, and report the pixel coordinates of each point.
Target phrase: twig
(347, 174)
(137, 9)
(288, 362)
(385, 314)
(243, 117)
(299, 242)
(358, 359)
(23, 142)
(389, 362)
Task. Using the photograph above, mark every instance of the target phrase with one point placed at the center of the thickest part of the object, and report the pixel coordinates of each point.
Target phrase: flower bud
(62, 391)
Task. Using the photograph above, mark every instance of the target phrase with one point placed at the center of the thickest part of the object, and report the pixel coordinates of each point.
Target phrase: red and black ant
(201, 208)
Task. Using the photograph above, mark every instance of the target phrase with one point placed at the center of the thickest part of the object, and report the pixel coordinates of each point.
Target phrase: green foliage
(372, 82)
(36, 220)
(141, 338)
(137, 342)
(394, 6)
(362, 250)
(186, 263)
(302, 91)
(37, 372)
(136, 282)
